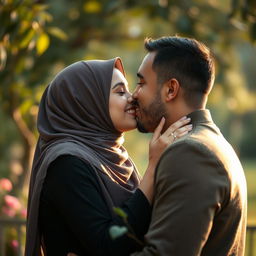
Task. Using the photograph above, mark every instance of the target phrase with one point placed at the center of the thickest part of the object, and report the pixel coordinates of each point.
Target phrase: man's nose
(135, 93)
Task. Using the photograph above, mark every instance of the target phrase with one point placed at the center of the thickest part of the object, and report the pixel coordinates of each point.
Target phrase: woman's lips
(131, 111)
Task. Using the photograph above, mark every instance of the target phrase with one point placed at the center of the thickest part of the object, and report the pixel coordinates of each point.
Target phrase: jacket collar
(200, 116)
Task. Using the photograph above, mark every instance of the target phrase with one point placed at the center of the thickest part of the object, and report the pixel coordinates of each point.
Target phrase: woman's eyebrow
(117, 84)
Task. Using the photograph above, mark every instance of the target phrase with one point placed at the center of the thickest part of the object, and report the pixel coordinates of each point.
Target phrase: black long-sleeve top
(74, 216)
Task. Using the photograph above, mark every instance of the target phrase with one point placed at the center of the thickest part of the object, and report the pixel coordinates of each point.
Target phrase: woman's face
(121, 112)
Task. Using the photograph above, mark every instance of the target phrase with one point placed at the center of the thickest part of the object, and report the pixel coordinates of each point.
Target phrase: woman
(81, 170)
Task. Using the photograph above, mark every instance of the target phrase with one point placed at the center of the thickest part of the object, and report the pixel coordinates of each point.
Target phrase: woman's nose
(130, 99)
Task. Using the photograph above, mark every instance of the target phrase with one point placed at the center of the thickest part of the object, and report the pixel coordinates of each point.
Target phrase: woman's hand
(160, 142)
(157, 145)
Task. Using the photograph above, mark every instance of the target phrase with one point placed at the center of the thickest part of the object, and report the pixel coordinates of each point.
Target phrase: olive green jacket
(200, 203)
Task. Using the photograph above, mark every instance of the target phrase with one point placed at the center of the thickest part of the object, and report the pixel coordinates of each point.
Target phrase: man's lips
(137, 109)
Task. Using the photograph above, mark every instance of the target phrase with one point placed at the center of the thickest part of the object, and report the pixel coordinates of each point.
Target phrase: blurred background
(39, 38)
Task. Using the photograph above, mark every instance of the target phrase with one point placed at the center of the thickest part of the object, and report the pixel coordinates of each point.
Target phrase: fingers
(177, 126)
(185, 128)
(158, 129)
(183, 131)
(181, 122)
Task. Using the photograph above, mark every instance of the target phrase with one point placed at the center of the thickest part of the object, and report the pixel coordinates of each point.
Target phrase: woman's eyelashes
(121, 90)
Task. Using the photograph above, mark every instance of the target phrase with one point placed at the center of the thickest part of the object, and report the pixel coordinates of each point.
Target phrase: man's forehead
(148, 60)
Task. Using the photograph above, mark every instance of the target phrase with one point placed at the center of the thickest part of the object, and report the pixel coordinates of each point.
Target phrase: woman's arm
(71, 187)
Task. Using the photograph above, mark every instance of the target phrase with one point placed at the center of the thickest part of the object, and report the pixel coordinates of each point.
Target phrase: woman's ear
(171, 89)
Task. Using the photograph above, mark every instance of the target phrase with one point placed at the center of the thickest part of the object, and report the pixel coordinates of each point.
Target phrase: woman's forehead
(118, 77)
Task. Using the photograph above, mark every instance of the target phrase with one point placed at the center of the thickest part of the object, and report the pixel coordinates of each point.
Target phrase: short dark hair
(185, 59)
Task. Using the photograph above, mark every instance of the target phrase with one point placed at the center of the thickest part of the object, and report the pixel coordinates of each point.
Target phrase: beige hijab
(74, 120)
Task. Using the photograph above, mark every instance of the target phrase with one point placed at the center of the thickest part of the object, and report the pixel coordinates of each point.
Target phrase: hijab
(74, 119)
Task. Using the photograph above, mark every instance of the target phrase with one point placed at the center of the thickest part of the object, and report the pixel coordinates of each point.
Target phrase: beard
(151, 116)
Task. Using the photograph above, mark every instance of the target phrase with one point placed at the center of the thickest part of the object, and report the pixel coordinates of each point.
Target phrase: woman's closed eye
(121, 93)
(121, 90)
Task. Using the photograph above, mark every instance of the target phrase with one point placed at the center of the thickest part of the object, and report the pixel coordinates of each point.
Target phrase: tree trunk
(29, 141)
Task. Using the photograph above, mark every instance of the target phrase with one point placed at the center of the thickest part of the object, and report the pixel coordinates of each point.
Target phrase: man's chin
(141, 127)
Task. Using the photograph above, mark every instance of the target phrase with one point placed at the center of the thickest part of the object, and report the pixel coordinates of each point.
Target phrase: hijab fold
(74, 119)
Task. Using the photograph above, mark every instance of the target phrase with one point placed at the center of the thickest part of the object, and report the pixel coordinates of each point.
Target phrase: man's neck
(181, 112)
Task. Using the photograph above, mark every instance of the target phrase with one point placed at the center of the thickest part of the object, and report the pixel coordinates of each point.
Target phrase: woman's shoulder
(69, 159)
(71, 166)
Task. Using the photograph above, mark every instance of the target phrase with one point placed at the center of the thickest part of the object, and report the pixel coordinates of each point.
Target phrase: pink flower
(8, 211)
(14, 244)
(12, 202)
(23, 213)
(5, 184)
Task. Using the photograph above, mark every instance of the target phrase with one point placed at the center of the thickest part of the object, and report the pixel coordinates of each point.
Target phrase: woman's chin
(129, 127)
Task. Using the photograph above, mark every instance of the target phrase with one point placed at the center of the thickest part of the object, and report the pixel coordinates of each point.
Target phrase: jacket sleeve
(74, 191)
(189, 191)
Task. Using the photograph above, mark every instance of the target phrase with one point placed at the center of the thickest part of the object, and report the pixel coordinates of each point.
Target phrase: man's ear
(171, 89)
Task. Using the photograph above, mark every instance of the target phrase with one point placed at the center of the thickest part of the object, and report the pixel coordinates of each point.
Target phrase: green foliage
(22, 26)
(120, 212)
(245, 11)
(37, 40)
(117, 231)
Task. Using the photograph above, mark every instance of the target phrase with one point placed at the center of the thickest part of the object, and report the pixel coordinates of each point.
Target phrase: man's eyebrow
(140, 76)
(117, 84)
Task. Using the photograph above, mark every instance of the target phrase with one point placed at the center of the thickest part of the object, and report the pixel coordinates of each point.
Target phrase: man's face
(150, 108)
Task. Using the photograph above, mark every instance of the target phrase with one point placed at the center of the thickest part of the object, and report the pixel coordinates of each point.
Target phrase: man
(200, 189)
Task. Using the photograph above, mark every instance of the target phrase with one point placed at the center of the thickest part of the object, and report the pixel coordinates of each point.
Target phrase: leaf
(117, 231)
(57, 33)
(3, 57)
(24, 25)
(45, 16)
(30, 34)
(42, 43)
(40, 7)
(25, 106)
(120, 212)
(92, 7)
